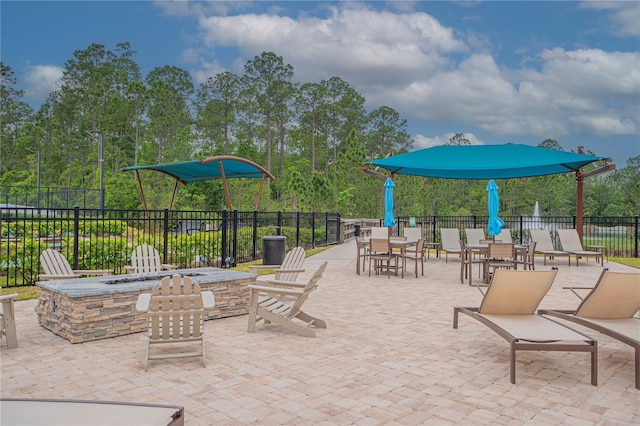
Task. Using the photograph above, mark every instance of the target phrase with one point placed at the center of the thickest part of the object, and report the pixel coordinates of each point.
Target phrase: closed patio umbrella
(389, 220)
(495, 223)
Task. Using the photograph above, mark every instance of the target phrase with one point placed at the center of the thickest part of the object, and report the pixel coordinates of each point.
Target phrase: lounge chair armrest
(144, 300)
(560, 311)
(276, 290)
(208, 300)
(93, 271)
(129, 269)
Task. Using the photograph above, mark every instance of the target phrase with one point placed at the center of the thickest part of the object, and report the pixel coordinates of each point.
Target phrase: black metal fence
(618, 234)
(49, 197)
(94, 240)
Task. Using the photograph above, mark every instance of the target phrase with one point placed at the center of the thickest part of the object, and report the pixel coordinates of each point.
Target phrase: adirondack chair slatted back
(311, 285)
(292, 261)
(176, 312)
(145, 259)
(54, 263)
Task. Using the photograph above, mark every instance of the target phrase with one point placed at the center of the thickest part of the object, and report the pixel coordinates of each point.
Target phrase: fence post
(279, 224)
(165, 235)
(313, 229)
(521, 231)
(76, 235)
(636, 237)
(475, 221)
(297, 228)
(338, 228)
(434, 229)
(326, 228)
(234, 249)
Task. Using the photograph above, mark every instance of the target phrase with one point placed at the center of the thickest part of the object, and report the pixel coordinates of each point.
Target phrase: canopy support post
(259, 192)
(173, 196)
(580, 178)
(226, 188)
(579, 202)
(144, 201)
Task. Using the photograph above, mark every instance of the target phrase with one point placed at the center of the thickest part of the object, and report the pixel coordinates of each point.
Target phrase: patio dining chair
(381, 257)
(450, 238)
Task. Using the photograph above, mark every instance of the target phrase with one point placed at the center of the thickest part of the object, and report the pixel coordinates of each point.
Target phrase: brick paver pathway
(388, 356)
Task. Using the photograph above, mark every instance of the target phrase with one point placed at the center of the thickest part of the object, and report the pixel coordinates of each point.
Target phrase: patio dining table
(483, 250)
(395, 242)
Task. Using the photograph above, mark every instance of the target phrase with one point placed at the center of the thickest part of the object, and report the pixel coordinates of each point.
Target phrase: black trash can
(273, 247)
(357, 233)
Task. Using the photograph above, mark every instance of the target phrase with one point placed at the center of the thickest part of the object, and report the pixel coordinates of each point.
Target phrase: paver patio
(389, 355)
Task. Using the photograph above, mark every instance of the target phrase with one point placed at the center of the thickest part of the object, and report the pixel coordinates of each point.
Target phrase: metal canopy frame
(218, 167)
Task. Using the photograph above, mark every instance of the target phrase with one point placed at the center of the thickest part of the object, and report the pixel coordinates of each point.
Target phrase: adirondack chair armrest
(255, 268)
(280, 283)
(93, 271)
(168, 267)
(144, 300)
(8, 296)
(208, 300)
(44, 277)
(276, 290)
(290, 270)
(129, 269)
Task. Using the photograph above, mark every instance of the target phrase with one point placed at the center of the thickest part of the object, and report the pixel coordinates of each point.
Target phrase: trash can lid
(274, 237)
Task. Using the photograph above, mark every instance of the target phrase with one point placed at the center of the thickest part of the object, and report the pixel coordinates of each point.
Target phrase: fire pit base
(85, 309)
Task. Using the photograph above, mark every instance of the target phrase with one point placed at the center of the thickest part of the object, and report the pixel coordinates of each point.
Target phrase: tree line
(313, 137)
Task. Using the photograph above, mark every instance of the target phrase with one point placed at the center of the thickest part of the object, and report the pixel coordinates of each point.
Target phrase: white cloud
(424, 70)
(625, 15)
(421, 142)
(41, 80)
(605, 125)
(362, 46)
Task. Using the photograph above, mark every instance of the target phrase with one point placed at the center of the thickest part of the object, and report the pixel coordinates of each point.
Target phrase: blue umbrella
(388, 203)
(495, 223)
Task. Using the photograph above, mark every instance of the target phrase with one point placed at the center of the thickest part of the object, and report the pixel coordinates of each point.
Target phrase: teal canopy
(484, 162)
(220, 167)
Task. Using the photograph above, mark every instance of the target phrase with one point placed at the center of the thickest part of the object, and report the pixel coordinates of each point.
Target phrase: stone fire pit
(85, 309)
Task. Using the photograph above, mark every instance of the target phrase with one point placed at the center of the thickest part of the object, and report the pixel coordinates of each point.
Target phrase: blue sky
(497, 71)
